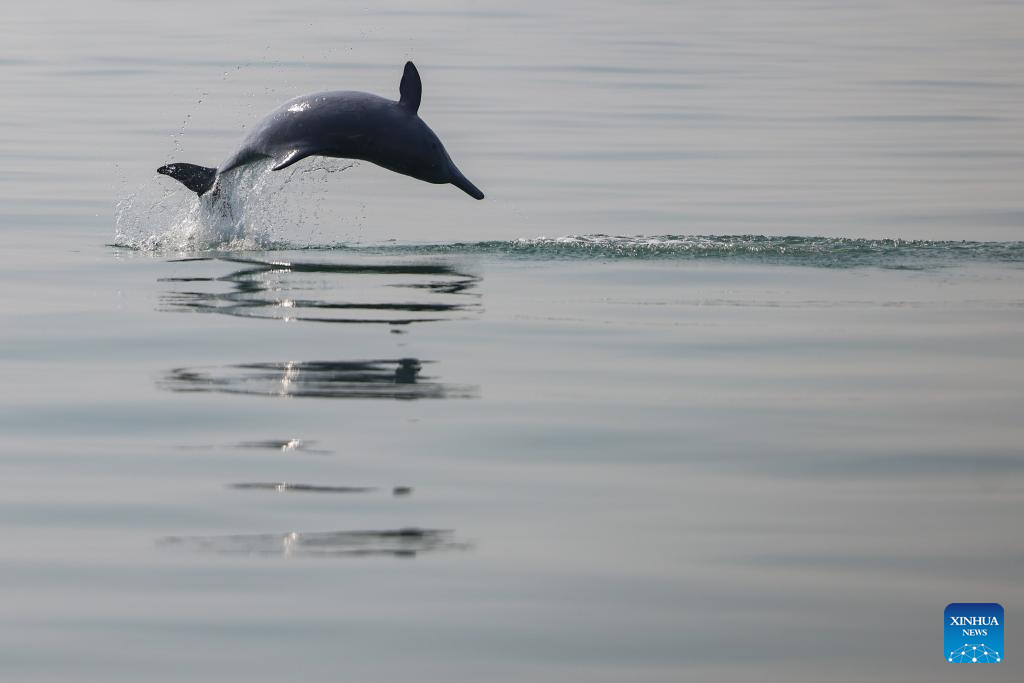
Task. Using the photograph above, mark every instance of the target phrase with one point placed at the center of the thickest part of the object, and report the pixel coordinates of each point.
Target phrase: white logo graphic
(974, 653)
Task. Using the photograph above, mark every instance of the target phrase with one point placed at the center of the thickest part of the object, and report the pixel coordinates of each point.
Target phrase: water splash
(241, 213)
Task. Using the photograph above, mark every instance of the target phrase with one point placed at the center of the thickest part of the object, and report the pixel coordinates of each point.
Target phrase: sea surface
(723, 381)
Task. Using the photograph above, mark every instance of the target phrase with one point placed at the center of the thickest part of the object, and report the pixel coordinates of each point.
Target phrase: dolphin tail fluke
(199, 179)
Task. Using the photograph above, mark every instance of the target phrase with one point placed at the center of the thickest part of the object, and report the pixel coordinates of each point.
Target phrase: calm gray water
(722, 381)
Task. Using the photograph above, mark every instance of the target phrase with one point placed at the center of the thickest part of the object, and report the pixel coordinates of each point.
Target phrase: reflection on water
(405, 542)
(285, 445)
(395, 379)
(322, 292)
(284, 487)
(344, 292)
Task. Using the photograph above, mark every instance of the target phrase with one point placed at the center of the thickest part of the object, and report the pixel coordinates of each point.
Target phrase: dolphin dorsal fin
(411, 88)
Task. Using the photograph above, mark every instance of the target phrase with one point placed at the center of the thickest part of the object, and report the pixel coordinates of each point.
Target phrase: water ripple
(827, 252)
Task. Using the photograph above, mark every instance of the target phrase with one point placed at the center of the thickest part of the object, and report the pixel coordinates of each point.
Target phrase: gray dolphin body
(341, 124)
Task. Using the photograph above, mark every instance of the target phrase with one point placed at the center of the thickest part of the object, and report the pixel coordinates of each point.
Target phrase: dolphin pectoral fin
(411, 88)
(290, 157)
(199, 179)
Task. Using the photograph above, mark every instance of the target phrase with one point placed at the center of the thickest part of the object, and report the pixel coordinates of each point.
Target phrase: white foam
(243, 211)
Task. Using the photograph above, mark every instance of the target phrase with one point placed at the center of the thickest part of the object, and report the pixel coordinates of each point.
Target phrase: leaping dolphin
(343, 124)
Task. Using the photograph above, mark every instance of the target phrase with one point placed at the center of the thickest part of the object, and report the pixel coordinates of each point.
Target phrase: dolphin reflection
(342, 292)
(391, 379)
(404, 542)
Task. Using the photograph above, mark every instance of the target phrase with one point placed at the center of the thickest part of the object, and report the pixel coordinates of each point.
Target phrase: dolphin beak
(460, 181)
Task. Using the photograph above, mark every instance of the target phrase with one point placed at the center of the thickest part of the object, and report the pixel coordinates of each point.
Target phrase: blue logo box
(974, 633)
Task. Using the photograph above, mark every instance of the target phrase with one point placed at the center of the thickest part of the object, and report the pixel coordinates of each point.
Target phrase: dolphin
(343, 124)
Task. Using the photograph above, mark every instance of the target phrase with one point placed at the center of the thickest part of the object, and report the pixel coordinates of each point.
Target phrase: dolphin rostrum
(343, 124)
